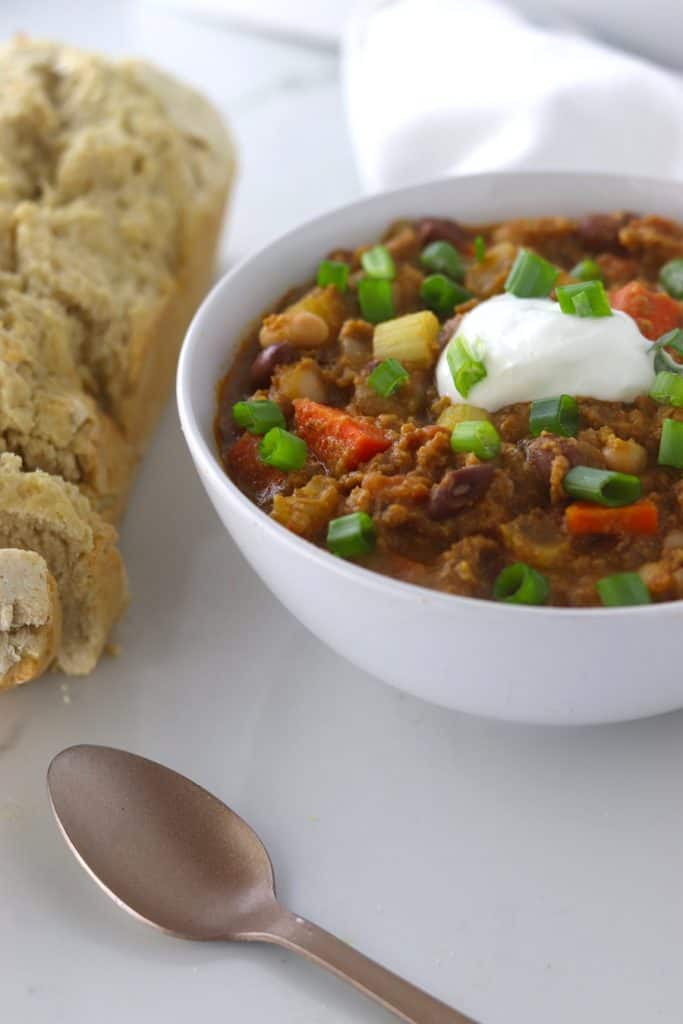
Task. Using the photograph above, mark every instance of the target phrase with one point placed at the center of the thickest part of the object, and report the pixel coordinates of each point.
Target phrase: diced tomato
(249, 472)
(582, 517)
(340, 441)
(654, 312)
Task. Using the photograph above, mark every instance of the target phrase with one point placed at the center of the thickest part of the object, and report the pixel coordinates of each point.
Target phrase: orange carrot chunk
(340, 441)
(582, 517)
(654, 312)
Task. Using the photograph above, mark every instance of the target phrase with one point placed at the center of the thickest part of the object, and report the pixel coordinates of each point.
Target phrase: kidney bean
(440, 229)
(449, 329)
(543, 451)
(599, 232)
(458, 488)
(263, 366)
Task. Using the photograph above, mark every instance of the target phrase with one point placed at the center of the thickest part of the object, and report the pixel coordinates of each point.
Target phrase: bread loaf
(113, 179)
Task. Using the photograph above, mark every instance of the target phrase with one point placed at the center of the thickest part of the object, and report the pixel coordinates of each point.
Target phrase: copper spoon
(177, 858)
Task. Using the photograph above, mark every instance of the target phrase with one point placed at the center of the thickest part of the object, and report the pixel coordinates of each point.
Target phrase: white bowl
(545, 665)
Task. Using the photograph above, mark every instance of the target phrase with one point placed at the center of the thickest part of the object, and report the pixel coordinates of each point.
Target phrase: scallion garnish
(586, 299)
(621, 589)
(465, 369)
(352, 535)
(586, 270)
(671, 444)
(556, 415)
(376, 299)
(442, 295)
(443, 258)
(258, 415)
(388, 377)
(663, 361)
(668, 389)
(671, 278)
(283, 450)
(479, 249)
(378, 262)
(531, 277)
(477, 436)
(602, 486)
(520, 584)
(333, 272)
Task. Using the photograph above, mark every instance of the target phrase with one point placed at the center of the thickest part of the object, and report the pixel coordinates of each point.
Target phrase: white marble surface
(525, 875)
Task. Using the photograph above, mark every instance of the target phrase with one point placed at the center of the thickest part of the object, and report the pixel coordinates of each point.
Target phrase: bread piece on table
(118, 184)
(44, 514)
(30, 617)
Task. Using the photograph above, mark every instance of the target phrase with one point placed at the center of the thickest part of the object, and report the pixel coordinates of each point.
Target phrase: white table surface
(527, 876)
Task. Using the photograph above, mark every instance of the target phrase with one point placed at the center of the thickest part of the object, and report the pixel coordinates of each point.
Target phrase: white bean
(673, 540)
(625, 456)
(302, 329)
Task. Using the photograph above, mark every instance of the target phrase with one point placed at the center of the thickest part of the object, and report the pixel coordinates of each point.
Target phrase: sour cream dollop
(532, 350)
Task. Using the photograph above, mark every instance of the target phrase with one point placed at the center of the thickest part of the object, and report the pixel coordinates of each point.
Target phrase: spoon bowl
(177, 858)
(161, 846)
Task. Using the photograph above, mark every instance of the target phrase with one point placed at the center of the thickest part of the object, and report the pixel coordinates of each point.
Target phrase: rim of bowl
(205, 452)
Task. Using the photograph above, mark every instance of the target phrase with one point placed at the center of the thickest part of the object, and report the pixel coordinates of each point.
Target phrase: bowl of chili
(559, 612)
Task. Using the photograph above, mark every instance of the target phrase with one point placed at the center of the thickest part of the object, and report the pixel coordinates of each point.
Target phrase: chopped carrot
(582, 517)
(250, 472)
(340, 441)
(654, 312)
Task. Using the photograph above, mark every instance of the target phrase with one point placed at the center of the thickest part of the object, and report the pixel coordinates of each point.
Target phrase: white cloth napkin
(436, 87)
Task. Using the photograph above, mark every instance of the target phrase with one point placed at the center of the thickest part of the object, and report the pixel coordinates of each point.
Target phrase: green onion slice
(520, 584)
(671, 278)
(556, 415)
(586, 270)
(671, 444)
(663, 360)
(378, 262)
(333, 272)
(258, 415)
(623, 588)
(352, 535)
(586, 299)
(388, 377)
(479, 249)
(668, 389)
(531, 277)
(465, 369)
(376, 299)
(442, 295)
(283, 450)
(443, 258)
(477, 436)
(602, 486)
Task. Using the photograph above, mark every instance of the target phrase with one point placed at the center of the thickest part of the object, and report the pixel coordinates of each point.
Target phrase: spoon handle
(389, 990)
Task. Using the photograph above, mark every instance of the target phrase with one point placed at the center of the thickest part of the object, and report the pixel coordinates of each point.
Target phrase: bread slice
(45, 514)
(30, 617)
(113, 180)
